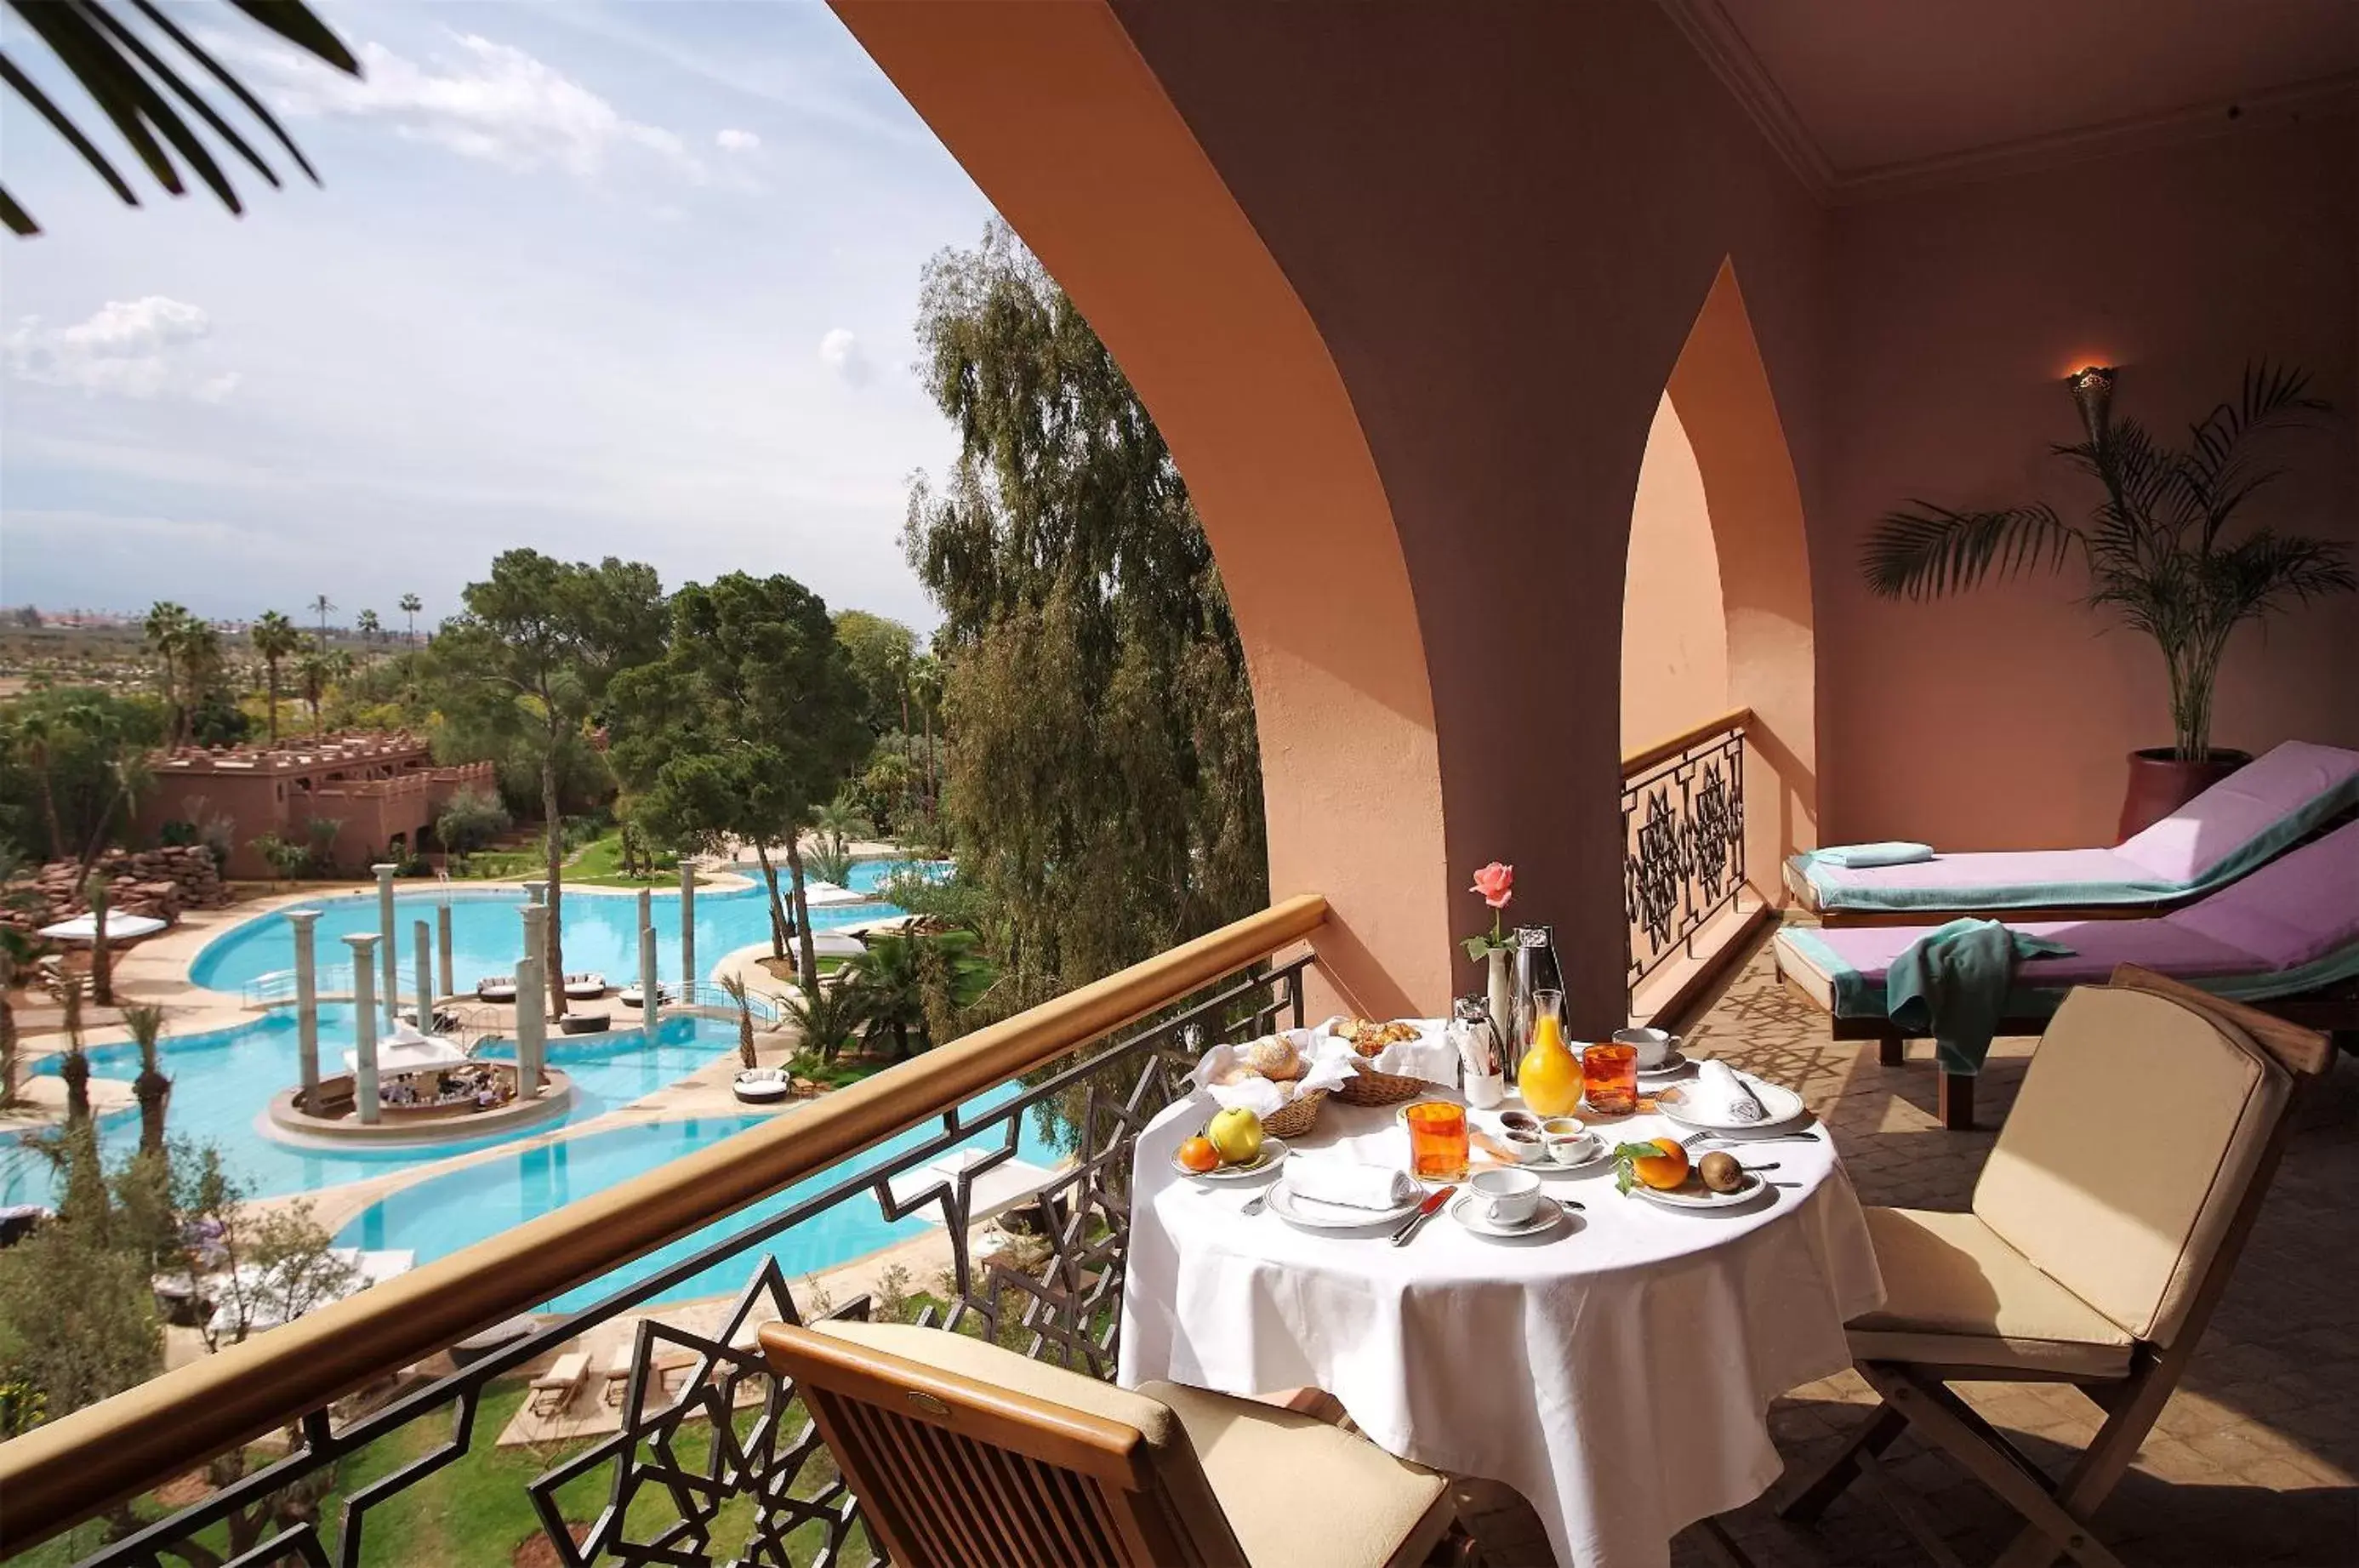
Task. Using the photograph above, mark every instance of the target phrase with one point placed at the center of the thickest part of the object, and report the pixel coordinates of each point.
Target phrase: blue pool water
(439, 1216)
(487, 934)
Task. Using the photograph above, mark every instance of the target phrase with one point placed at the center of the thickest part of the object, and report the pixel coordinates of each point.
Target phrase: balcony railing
(731, 1433)
(1684, 839)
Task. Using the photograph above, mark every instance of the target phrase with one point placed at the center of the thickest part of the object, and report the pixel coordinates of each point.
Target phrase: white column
(687, 975)
(390, 954)
(364, 1102)
(531, 1028)
(647, 908)
(425, 941)
(307, 1004)
(442, 946)
(538, 892)
(648, 994)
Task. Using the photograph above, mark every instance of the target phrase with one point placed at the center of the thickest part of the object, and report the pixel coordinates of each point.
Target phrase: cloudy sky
(632, 279)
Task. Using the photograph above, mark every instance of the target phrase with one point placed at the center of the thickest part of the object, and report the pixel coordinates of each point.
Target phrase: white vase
(1503, 1004)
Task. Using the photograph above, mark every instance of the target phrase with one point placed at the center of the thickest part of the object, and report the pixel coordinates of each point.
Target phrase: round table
(1617, 1371)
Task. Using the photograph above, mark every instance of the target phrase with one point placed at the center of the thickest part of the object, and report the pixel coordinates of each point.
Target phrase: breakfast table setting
(1588, 1289)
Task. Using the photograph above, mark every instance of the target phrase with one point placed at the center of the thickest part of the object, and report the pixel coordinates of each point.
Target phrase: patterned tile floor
(2254, 1461)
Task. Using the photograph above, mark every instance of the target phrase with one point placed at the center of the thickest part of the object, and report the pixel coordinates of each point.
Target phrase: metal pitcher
(1536, 970)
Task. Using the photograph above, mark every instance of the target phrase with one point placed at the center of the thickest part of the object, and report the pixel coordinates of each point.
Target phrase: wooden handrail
(1646, 756)
(64, 1471)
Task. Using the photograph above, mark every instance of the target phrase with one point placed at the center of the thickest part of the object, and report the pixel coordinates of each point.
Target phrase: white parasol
(404, 1049)
(120, 927)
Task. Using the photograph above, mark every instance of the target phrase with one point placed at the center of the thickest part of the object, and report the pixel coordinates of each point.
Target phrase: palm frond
(1925, 550)
(2218, 475)
(2261, 572)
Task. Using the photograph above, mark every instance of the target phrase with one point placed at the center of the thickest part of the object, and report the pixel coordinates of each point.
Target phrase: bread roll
(1273, 1057)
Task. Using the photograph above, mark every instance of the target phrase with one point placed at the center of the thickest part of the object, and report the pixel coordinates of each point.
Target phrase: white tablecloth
(1617, 1372)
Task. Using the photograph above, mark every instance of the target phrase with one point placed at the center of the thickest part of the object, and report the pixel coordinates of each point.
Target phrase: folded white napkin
(1719, 1094)
(1351, 1184)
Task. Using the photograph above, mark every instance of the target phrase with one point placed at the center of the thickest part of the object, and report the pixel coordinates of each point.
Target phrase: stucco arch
(1106, 184)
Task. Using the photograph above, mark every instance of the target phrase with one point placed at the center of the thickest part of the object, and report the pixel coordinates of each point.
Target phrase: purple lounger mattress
(2290, 926)
(2221, 834)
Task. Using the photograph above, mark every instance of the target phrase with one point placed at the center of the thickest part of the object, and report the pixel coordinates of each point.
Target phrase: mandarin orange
(1665, 1170)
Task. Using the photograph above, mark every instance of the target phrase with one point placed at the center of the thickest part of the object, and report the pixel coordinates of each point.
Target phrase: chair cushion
(2128, 1151)
(1956, 1294)
(1300, 1492)
(1201, 1512)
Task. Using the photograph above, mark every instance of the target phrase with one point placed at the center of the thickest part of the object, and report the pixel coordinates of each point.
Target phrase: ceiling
(1866, 96)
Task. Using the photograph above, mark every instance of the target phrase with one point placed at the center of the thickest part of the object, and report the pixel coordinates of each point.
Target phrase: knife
(1425, 1211)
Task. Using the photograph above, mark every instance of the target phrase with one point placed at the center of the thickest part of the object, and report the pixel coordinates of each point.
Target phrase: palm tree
(151, 1088)
(367, 625)
(101, 976)
(314, 665)
(133, 84)
(75, 1068)
(165, 627)
(926, 676)
(410, 604)
(825, 1017)
(321, 605)
(736, 986)
(837, 824)
(33, 733)
(275, 638)
(907, 981)
(2155, 547)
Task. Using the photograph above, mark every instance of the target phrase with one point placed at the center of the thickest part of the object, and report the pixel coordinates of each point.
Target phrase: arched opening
(1717, 618)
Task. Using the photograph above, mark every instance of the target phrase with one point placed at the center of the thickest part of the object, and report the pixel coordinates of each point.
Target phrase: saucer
(1464, 1210)
(1677, 1062)
(1551, 1166)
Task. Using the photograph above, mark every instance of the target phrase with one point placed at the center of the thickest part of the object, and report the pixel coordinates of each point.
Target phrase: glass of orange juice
(1437, 1141)
(1609, 1074)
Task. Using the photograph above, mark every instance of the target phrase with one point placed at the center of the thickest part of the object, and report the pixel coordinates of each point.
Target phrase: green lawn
(598, 864)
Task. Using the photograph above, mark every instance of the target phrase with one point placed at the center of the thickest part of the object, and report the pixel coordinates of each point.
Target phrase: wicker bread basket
(1367, 1086)
(1295, 1117)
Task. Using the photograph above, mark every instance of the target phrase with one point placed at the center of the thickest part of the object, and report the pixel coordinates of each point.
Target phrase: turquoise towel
(1953, 984)
(1857, 856)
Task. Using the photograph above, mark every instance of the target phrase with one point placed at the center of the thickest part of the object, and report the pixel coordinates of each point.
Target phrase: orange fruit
(1664, 1170)
(1199, 1155)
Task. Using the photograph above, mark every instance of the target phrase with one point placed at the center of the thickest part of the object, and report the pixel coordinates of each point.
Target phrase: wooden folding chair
(2103, 1232)
(967, 1455)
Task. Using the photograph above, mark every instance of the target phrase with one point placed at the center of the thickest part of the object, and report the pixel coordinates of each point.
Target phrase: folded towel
(1953, 984)
(1350, 1184)
(1859, 856)
(1719, 1094)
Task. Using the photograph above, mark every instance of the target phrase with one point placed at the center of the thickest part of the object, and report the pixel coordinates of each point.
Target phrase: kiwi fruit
(1721, 1172)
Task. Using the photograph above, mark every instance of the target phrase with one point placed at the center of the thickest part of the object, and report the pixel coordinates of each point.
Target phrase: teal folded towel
(1858, 857)
(1953, 984)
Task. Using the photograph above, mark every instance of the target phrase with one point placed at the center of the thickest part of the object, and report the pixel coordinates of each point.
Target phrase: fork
(1255, 1206)
(1696, 1140)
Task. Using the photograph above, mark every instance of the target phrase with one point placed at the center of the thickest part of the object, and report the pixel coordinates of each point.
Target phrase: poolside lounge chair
(618, 1370)
(496, 988)
(962, 1452)
(631, 997)
(2238, 824)
(584, 987)
(2287, 936)
(2101, 1236)
(554, 1389)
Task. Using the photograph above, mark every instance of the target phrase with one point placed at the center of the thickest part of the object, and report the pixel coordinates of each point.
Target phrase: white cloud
(736, 141)
(129, 348)
(488, 100)
(841, 352)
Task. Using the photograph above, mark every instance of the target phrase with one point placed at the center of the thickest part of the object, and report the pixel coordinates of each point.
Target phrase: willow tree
(1103, 779)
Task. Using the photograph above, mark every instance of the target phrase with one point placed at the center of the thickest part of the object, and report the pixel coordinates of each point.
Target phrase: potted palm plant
(2161, 549)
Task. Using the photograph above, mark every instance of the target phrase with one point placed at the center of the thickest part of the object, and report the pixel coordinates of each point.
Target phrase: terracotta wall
(1674, 633)
(2000, 719)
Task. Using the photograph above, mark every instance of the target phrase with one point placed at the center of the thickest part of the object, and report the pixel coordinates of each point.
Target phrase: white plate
(1780, 1104)
(1464, 1210)
(1675, 1062)
(1700, 1196)
(1552, 1167)
(1273, 1152)
(1312, 1215)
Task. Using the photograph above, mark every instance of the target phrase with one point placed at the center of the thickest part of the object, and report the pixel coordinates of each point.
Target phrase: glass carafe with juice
(1549, 1077)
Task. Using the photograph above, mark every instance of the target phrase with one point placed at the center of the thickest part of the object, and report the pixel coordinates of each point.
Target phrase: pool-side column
(425, 977)
(531, 1009)
(650, 996)
(307, 1004)
(687, 975)
(391, 953)
(442, 946)
(365, 1101)
(536, 892)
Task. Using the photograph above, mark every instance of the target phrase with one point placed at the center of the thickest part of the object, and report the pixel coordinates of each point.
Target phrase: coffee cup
(1523, 1147)
(1520, 1121)
(1568, 1139)
(1654, 1046)
(1507, 1197)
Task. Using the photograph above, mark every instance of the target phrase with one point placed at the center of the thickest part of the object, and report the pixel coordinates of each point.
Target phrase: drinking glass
(1437, 1141)
(1609, 1074)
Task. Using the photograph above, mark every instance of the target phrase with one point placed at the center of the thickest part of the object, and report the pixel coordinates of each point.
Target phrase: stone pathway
(2252, 1462)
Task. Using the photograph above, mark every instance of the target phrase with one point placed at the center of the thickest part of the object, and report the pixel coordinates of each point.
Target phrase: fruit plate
(1780, 1106)
(1467, 1210)
(1273, 1152)
(1694, 1194)
(1312, 1215)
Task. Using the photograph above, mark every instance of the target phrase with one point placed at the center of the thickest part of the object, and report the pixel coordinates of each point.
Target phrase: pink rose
(1496, 883)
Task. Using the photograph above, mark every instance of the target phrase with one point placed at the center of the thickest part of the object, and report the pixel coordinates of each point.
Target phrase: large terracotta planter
(2160, 783)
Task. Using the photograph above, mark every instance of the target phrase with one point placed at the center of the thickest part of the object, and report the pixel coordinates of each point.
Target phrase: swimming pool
(487, 934)
(439, 1216)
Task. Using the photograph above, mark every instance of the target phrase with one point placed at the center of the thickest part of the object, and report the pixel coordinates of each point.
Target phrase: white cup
(1508, 1197)
(1568, 1139)
(1654, 1046)
(1523, 1147)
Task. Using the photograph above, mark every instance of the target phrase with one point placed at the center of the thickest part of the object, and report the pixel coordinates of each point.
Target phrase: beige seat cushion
(1201, 1512)
(1302, 1494)
(2128, 1151)
(1957, 1295)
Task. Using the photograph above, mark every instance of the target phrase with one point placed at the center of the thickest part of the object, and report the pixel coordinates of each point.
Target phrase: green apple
(1236, 1135)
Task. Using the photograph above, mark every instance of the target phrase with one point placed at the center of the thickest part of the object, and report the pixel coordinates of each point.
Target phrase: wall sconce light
(2093, 389)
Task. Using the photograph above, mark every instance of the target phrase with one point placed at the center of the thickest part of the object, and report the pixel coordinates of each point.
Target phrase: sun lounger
(496, 988)
(585, 988)
(2285, 937)
(618, 1370)
(554, 1389)
(2237, 825)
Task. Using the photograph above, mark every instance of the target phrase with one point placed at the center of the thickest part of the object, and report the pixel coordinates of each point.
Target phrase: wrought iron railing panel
(731, 1431)
(1683, 846)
